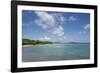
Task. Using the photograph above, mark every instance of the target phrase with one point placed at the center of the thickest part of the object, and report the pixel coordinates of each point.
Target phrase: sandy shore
(27, 45)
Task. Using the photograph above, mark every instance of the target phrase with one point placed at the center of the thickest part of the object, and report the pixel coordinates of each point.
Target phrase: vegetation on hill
(34, 42)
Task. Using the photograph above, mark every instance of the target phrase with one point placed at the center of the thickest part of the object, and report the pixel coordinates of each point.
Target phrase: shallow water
(55, 52)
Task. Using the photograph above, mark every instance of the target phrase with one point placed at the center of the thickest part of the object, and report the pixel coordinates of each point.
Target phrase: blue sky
(56, 26)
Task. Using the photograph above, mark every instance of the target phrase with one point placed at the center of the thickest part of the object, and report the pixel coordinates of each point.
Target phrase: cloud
(59, 18)
(58, 31)
(45, 38)
(63, 38)
(72, 18)
(26, 13)
(51, 21)
(87, 26)
(45, 20)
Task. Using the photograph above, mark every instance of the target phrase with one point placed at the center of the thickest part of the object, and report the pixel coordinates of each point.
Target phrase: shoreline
(26, 45)
(32, 45)
(56, 43)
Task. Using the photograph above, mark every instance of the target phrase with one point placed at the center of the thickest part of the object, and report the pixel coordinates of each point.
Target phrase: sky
(56, 26)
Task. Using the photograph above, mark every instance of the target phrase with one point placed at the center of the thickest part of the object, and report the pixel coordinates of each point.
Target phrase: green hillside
(34, 42)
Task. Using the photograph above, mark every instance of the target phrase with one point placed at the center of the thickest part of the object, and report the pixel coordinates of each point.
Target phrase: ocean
(55, 52)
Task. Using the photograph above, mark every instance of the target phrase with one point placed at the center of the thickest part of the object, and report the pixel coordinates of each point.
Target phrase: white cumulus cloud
(58, 31)
(45, 20)
(53, 21)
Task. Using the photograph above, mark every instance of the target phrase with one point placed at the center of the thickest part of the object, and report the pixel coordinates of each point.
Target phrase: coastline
(31, 45)
(55, 43)
(26, 45)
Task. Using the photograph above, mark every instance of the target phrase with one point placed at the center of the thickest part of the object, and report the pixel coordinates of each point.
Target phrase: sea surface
(55, 52)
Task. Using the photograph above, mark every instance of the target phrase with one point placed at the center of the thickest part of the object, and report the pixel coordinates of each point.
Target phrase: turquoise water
(55, 52)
